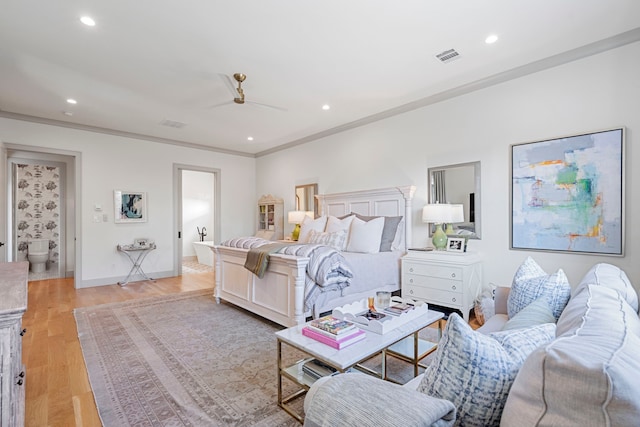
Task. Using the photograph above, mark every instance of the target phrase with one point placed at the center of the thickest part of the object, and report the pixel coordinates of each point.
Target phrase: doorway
(41, 205)
(197, 195)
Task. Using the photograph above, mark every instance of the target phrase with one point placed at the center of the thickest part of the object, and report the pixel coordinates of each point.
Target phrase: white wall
(197, 208)
(113, 162)
(598, 92)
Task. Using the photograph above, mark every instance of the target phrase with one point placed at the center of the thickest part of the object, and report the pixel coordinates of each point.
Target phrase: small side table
(136, 255)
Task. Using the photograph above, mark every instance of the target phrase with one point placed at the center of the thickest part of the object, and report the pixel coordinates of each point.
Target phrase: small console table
(136, 254)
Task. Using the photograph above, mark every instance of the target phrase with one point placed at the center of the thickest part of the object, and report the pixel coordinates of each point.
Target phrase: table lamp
(457, 215)
(437, 213)
(296, 217)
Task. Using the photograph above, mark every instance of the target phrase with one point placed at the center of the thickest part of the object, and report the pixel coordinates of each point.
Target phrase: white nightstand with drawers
(447, 279)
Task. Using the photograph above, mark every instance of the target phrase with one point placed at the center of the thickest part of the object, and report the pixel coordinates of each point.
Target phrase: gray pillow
(536, 313)
(388, 231)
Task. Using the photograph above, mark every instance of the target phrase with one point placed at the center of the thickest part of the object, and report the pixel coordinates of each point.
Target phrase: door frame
(178, 168)
(74, 170)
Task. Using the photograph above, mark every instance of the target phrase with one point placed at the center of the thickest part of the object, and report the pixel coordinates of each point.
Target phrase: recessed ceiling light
(250, 138)
(491, 39)
(88, 21)
(72, 101)
(326, 107)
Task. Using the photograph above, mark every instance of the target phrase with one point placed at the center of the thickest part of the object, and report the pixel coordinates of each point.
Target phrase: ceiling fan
(238, 92)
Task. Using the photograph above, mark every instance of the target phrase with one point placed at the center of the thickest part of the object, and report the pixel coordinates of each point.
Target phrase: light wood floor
(57, 385)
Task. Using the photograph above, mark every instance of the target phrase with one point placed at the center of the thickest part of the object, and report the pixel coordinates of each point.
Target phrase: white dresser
(447, 279)
(14, 278)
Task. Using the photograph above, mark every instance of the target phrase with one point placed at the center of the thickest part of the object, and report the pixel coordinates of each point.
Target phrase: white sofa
(587, 374)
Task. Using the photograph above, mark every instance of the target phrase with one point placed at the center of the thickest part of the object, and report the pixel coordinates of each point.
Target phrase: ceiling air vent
(448, 56)
(173, 124)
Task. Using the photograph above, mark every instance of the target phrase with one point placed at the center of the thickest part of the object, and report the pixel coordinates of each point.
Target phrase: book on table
(335, 343)
(398, 309)
(333, 325)
(318, 369)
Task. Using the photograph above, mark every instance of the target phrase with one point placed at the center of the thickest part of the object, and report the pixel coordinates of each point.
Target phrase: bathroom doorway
(41, 211)
(197, 195)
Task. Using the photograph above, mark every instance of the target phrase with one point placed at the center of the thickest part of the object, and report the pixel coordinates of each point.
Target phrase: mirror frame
(477, 196)
(313, 188)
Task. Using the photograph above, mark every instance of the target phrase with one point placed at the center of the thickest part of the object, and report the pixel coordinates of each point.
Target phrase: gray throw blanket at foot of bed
(258, 258)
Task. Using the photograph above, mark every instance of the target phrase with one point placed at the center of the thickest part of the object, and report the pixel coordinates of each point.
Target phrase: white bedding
(371, 273)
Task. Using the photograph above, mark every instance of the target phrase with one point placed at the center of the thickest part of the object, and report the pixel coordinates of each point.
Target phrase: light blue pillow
(536, 313)
(475, 371)
(531, 282)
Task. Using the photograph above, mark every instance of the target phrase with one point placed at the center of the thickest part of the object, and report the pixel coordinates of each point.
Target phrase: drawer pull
(453, 275)
(411, 269)
(410, 280)
(453, 287)
(411, 291)
(453, 299)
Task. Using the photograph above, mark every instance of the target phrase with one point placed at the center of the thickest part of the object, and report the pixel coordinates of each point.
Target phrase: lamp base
(439, 239)
(296, 233)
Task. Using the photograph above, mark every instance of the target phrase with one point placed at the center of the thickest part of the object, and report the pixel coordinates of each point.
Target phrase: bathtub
(204, 252)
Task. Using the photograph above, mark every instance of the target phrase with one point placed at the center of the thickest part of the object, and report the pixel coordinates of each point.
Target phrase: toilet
(38, 255)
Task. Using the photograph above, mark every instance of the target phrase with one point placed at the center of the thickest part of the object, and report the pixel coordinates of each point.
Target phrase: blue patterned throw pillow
(475, 371)
(531, 282)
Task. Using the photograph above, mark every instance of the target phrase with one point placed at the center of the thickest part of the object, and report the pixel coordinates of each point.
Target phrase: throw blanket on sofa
(327, 269)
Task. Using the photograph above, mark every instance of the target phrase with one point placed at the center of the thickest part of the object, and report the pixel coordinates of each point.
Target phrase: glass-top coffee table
(402, 342)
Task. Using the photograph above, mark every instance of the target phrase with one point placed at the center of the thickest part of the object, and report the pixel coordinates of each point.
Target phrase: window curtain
(439, 188)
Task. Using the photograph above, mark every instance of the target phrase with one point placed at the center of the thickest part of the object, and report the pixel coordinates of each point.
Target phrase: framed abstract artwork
(567, 194)
(130, 206)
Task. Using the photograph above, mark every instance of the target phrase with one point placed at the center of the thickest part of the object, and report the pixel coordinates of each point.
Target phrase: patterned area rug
(190, 267)
(181, 360)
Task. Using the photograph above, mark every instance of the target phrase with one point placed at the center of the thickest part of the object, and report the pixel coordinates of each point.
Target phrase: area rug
(184, 360)
(181, 360)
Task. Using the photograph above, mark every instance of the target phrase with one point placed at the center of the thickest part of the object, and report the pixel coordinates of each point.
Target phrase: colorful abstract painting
(567, 194)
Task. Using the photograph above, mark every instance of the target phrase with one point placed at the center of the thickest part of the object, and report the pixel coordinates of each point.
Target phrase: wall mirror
(458, 184)
(306, 198)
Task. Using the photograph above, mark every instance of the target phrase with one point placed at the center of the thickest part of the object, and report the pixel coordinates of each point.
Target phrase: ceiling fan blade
(259, 104)
(219, 105)
(229, 84)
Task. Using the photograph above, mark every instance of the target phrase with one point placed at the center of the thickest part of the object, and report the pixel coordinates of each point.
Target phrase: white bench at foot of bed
(278, 296)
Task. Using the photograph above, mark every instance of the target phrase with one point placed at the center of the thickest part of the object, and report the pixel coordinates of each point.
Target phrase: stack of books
(317, 369)
(398, 309)
(333, 331)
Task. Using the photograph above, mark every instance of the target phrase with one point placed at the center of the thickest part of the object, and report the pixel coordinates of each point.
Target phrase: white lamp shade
(457, 213)
(296, 217)
(436, 213)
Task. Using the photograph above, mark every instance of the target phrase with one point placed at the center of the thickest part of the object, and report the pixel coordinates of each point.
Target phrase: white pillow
(365, 236)
(336, 224)
(309, 224)
(336, 240)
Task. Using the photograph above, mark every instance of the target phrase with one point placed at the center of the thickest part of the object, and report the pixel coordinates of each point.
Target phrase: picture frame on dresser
(456, 244)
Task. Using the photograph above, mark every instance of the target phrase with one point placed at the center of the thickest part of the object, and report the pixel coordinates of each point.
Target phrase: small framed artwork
(130, 206)
(455, 244)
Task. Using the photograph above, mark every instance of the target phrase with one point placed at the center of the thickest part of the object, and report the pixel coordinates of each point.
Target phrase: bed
(279, 295)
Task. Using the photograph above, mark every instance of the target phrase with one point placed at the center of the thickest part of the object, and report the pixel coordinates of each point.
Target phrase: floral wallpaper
(37, 210)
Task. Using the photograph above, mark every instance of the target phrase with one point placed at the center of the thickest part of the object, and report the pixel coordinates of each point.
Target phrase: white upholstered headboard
(393, 201)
